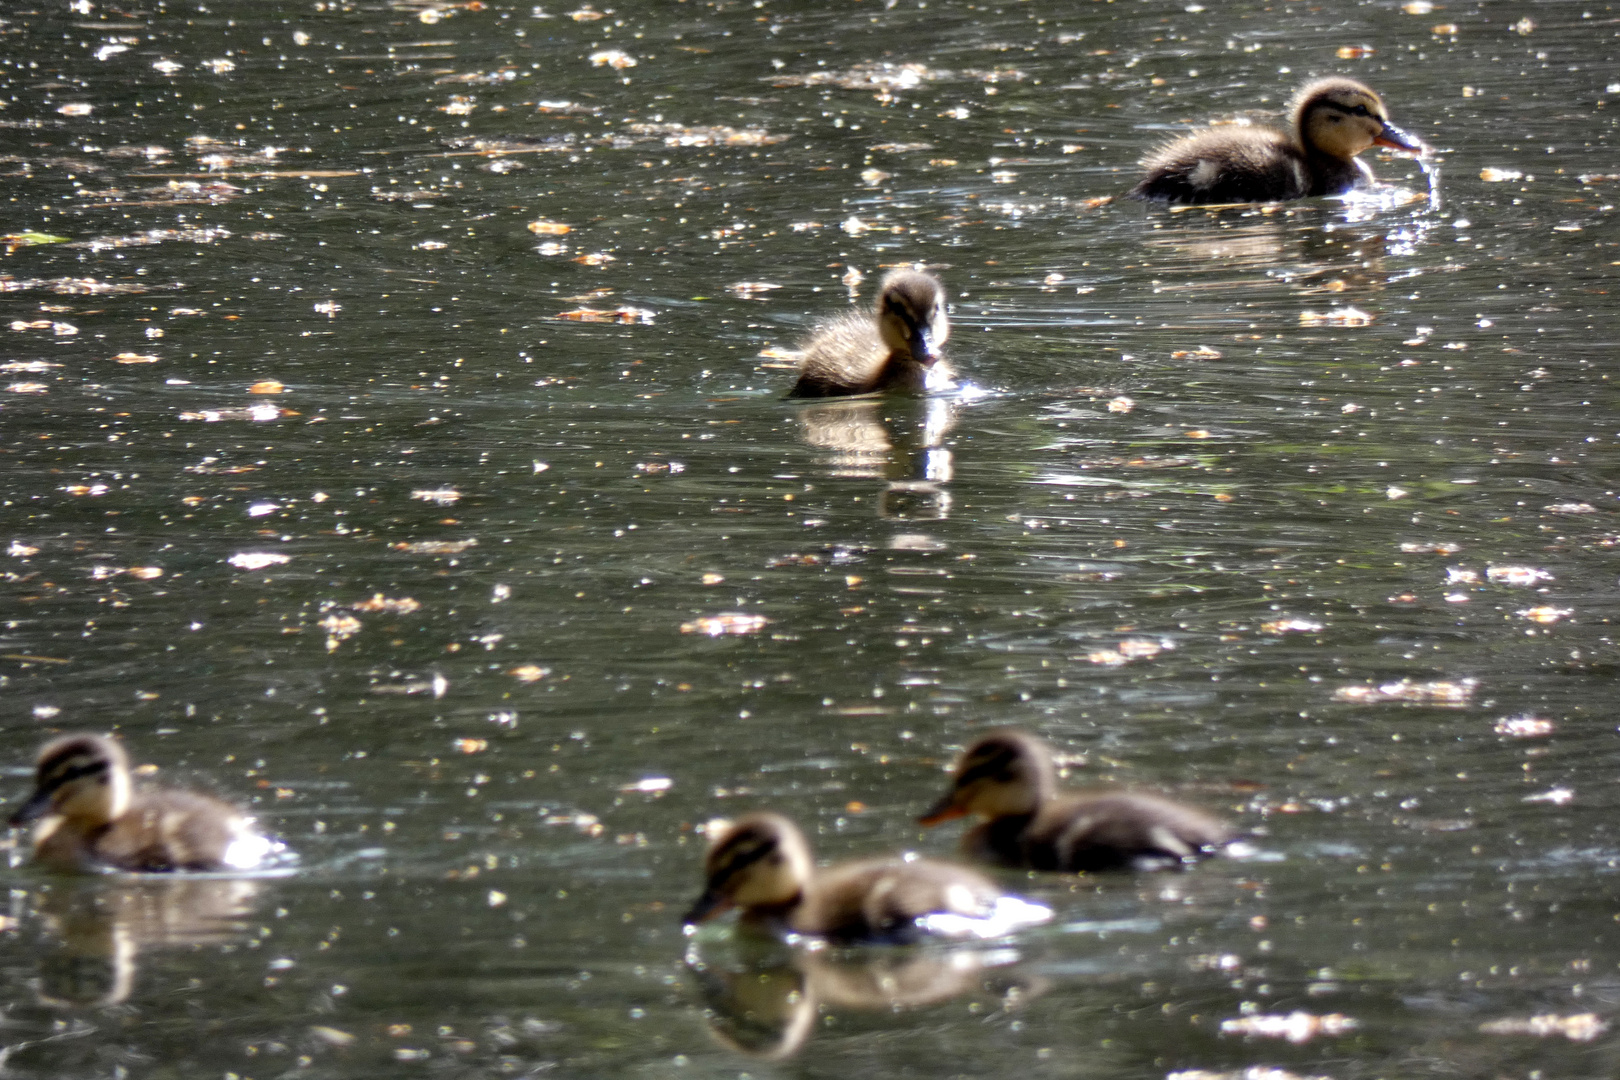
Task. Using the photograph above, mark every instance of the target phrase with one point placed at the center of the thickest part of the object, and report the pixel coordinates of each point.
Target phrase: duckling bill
(893, 347)
(1007, 778)
(1332, 120)
(761, 864)
(90, 816)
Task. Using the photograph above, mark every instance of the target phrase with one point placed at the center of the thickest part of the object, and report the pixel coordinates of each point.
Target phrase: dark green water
(1189, 534)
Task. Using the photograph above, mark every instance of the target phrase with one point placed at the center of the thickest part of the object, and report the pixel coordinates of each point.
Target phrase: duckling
(92, 818)
(1333, 120)
(1007, 777)
(895, 347)
(761, 864)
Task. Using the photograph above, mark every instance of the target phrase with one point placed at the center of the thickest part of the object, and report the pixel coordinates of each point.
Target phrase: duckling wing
(896, 901)
(844, 356)
(170, 830)
(1118, 829)
(1225, 165)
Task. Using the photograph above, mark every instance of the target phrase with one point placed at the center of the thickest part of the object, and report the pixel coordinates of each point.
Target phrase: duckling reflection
(1331, 121)
(101, 928)
(763, 1000)
(898, 440)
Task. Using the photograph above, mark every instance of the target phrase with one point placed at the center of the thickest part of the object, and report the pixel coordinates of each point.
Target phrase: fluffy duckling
(1333, 120)
(1007, 777)
(92, 818)
(895, 347)
(761, 864)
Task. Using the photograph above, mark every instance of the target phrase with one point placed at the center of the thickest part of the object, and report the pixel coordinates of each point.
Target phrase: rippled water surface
(393, 436)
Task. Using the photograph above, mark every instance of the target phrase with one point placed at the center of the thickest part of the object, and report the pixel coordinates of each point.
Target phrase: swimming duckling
(92, 818)
(1332, 121)
(761, 864)
(895, 347)
(1007, 778)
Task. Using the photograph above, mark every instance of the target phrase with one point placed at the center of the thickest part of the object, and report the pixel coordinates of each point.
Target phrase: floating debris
(1523, 727)
(1345, 316)
(256, 413)
(1203, 352)
(750, 290)
(435, 547)
(1499, 176)
(617, 59)
(728, 623)
(1522, 576)
(1545, 614)
(1582, 1027)
(257, 560)
(437, 496)
(1437, 692)
(549, 228)
(625, 314)
(716, 135)
(1296, 1027)
(1290, 626)
(529, 673)
(380, 603)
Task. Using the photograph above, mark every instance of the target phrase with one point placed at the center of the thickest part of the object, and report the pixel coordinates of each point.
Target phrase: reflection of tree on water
(100, 927)
(896, 439)
(763, 997)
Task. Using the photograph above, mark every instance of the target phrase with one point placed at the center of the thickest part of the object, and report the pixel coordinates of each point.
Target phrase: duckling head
(758, 861)
(911, 315)
(1342, 117)
(1005, 773)
(79, 777)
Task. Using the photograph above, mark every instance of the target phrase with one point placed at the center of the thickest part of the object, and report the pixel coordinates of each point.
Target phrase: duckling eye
(1361, 110)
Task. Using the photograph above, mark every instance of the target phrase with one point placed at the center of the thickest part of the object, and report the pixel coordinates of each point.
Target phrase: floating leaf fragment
(1499, 176)
(750, 290)
(529, 672)
(1296, 1027)
(404, 605)
(437, 496)
(135, 358)
(586, 14)
(27, 388)
(1355, 52)
(1203, 352)
(1121, 404)
(1545, 614)
(1286, 626)
(549, 228)
(1345, 316)
(257, 560)
(624, 314)
(726, 623)
(1523, 727)
(617, 59)
(434, 547)
(1582, 1027)
(1522, 576)
(1436, 692)
(595, 258)
(1413, 547)
(31, 239)
(266, 386)
(76, 108)
(339, 628)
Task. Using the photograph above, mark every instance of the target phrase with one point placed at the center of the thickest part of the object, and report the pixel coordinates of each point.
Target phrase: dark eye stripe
(70, 770)
(996, 765)
(738, 857)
